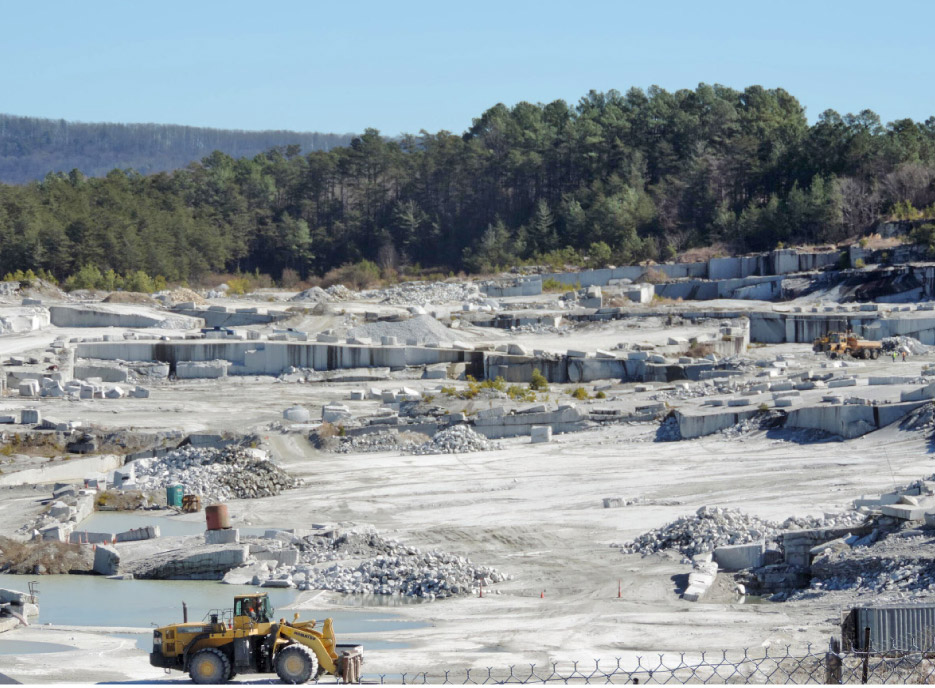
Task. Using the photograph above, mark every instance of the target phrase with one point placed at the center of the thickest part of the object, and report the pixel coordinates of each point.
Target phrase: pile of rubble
(363, 562)
(336, 292)
(421, 328)
(897, 564)
(378, 442)
(215, 474)
(458, 439)
(909, 344)
(713, 527)
(424, 293)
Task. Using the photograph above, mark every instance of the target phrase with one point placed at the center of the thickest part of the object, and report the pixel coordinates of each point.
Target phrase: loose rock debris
(713, 527)
(458, 439)
(215, 474)
(387, 568)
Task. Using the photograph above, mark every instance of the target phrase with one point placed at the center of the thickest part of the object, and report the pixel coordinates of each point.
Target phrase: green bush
(579, 393)
(538, 382)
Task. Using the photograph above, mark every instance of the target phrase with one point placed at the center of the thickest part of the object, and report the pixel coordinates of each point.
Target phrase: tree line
(31, 147)
(615, 178)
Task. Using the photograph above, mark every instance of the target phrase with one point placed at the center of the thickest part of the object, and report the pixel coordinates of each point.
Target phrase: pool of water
(28, 647)
(97, 601)
(168, 522)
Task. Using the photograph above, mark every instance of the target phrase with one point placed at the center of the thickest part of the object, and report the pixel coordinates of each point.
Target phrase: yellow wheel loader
(246, 640)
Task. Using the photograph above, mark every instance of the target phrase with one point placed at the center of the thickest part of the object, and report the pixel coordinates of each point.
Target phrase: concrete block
(30, 416)
(843, 382)
(739, 557)
(905, 512)
(29, 388)
(137, 534)
(106, 561)
(331, 413)
(742, 401)
(115, 392)
(540, 433)
(139, 393)
(491, 413)
(357, 395)
(517, 350)
(783, 402)
(228, 536)
(612, 502)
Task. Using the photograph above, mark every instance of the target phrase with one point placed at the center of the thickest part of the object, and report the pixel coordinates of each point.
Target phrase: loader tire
(209, 665)
(296, 664)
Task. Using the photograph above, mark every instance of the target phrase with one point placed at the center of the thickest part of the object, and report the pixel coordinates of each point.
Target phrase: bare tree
(860, 204)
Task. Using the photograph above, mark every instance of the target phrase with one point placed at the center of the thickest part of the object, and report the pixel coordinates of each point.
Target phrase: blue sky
(404, 66)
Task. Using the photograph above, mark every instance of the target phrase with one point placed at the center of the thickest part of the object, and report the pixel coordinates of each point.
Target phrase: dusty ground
(533, 511)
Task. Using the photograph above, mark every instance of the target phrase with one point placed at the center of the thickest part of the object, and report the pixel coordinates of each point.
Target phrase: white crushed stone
(424, 293)
(712, 527)
(458, 439)
(215, 474)
(385, 567)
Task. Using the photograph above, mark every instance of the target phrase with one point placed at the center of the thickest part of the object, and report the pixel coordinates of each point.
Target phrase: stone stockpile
(458, 439)
(713, 527)
(215, 474)
(423, 293)
(361, 562)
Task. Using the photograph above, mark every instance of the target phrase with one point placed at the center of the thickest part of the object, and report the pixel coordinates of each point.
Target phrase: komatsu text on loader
(247, 640)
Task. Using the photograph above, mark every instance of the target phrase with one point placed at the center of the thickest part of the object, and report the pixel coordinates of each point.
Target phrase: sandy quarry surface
(532, 511)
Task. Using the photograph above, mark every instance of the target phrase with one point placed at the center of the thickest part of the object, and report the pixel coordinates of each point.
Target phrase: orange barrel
(217, 517)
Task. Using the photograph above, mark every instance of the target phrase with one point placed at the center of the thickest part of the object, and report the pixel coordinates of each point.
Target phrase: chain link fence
(760, 667)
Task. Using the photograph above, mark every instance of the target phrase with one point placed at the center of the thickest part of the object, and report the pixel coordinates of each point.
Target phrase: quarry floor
(535, 511)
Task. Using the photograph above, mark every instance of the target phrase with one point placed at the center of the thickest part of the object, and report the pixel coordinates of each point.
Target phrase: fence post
(863, 676)
(833, 664)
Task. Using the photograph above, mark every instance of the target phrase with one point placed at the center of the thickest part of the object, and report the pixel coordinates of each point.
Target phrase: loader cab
(252, 609)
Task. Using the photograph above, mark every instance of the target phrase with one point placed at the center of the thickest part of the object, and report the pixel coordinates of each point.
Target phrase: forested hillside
(617, 177)
(30, 147)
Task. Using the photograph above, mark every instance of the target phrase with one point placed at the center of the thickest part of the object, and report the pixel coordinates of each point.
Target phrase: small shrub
(517, 393)
(859, 263)
(238, 286)
(600, 395)
(449, 391)
(654, 276)
(538, 382)
(553, 285)
(498, 383)
(763, 407)
(579, 393)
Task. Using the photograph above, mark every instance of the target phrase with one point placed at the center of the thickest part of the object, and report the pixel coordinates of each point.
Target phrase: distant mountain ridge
(31, 147)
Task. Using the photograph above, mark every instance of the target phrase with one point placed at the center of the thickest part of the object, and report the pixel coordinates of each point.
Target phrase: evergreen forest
(615, 178)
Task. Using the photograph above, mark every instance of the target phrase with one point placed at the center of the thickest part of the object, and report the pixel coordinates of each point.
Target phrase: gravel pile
(215, 474)
(423, 328)
(424, 293)
(338, 292)
(379, 442)
(712, 527)
(315, 294)
(897, 564)
(458, 439)
(380, 566)
(910, 344)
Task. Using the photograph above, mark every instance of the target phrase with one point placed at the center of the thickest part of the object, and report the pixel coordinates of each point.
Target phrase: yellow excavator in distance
(249, 641)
